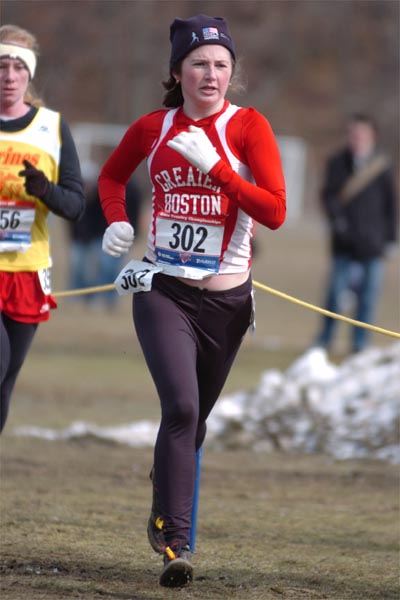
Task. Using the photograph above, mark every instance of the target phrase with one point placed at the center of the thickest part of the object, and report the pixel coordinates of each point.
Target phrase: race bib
(136, 276)
(191, 244)
(16, 220)
(45, 280)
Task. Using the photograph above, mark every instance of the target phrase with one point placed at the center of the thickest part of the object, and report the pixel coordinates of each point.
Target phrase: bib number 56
(9, 219)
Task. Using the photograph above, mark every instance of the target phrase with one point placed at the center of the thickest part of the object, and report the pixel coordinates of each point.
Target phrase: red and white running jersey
(197, 220)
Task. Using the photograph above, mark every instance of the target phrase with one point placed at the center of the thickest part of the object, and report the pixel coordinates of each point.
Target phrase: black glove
(36, 182)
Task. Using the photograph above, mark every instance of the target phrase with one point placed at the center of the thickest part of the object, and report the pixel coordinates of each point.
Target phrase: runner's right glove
(196, 147)
(118, 238)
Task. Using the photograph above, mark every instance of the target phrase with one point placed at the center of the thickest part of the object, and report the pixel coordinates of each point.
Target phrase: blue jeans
(364, 278)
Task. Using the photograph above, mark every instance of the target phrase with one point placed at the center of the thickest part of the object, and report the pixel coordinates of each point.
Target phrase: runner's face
(205, 76)
(14, 80)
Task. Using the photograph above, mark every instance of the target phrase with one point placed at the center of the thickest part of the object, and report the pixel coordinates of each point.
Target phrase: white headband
(25, 54)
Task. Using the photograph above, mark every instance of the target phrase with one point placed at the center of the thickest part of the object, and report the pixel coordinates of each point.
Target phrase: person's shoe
(155, 523)
(155, 533)
(178, 570)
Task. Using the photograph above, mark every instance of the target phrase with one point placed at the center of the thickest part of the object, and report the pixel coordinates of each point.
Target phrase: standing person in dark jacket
(39, 173)
(359, 199)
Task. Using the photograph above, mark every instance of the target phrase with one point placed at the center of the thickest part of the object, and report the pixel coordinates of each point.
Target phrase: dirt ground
(269, 526)
(73, 513)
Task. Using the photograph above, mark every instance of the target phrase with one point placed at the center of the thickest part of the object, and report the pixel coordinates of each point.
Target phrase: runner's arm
(66, 198)
(264, 200)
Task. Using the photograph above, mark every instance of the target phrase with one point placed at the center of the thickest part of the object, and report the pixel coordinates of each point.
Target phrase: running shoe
(177, 570)
(155, 523)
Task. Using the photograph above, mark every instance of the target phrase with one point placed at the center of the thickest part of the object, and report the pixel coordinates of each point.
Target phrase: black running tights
(189, 338)
(15, 341)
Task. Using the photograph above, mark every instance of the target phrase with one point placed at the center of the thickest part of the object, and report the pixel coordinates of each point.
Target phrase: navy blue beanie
(188, 34)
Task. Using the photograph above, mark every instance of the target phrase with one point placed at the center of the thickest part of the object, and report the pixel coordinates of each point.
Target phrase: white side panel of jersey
(238, 249)
(167, 124)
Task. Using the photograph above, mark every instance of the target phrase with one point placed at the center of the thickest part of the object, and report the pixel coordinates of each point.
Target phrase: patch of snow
(350, 410)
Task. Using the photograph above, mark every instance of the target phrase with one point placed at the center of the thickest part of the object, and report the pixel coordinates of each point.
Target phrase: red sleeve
(252, 140)
(116, 172)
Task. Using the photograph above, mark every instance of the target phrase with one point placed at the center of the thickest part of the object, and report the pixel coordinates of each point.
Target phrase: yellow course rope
(265, 288)
(83, 291)
(328, 313)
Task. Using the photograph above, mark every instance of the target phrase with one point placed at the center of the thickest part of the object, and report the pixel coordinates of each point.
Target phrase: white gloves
(195, 146)
(118, 238)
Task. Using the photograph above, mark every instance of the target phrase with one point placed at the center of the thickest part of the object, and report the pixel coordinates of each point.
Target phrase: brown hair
(14, 34)
(173, 96)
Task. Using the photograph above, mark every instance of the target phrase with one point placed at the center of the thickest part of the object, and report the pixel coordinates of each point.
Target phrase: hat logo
(194, 38)
(210, 33)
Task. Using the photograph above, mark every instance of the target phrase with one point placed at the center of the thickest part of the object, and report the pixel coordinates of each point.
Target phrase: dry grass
(270, 526)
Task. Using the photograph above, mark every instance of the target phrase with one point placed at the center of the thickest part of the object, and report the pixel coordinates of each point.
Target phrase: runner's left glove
(36, 182)
(118, 238)
(195, 146)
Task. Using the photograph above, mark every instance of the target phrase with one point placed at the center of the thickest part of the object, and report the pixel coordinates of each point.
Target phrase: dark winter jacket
(362, 227)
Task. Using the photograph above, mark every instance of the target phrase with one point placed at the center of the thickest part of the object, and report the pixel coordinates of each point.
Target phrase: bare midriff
(218, 282)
